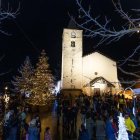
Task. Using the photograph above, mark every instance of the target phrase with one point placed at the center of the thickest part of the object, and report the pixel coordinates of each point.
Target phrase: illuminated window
(72, 43)
(73, 35)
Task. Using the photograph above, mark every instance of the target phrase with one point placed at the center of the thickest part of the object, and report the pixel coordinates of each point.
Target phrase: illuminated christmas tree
(42, 82)
(122, 134)
(23, 83)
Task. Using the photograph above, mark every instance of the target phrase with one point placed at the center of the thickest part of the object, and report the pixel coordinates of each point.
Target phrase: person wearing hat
(129, 125)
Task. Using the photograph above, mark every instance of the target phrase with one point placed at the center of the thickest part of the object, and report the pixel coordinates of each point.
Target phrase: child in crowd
(47, 134)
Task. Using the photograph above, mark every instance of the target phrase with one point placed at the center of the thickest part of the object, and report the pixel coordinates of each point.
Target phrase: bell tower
(71, 71)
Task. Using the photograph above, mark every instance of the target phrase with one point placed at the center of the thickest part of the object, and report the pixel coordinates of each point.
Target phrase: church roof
(72, 24)
(100, 54)
(100, 78)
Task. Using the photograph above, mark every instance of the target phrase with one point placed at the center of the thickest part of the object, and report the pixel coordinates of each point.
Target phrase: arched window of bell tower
(73, 34)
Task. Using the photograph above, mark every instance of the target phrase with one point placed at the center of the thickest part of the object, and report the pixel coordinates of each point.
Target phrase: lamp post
(6, 97)
(6, 88)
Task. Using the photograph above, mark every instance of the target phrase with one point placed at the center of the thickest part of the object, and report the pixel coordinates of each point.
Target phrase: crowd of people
(98, 119)
(99, 116)
(16, 127)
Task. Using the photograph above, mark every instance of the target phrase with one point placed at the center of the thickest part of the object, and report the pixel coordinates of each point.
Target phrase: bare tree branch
(130, 56)
(104, 31)
(134, 65)
(7, 14)
(123, 14)
(3, 73)
(129, 73)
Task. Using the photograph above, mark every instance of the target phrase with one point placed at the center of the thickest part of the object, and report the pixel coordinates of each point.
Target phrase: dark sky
(39, 25)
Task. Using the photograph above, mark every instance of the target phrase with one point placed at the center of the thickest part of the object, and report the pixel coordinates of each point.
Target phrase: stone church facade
(93, 73)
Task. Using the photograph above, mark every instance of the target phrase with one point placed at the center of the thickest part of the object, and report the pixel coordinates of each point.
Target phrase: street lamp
(6, 88)
(6, 97)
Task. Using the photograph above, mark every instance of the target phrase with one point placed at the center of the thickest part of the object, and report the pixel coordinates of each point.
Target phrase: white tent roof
(136, 91)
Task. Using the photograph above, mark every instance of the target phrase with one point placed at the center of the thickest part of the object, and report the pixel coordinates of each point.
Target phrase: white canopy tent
(136, 91)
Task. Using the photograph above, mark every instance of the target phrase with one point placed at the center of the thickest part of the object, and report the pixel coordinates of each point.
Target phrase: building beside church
(93, 73)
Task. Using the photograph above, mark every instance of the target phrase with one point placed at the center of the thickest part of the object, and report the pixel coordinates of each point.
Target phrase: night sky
(39, 25)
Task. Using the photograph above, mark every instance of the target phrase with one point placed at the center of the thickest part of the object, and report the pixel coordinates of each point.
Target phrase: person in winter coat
(100, 128)
(38, 124)
(110, 132)
(74, 113)
(89, 125)
(134, 119)
(83, 133)
(115, 127)
(47, 134)
(83, 113)
(129, 125)
(33, 131)
(13, 128)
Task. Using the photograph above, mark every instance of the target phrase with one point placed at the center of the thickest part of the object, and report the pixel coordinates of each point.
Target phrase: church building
(90, 74)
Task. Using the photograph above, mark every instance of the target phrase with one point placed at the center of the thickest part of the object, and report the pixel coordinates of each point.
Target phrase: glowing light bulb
(138, 31)
(6, 88)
